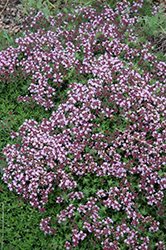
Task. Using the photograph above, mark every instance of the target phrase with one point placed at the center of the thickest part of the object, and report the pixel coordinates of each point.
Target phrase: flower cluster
(83, 138)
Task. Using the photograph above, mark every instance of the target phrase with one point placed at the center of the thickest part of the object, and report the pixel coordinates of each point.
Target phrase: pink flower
(42, 210)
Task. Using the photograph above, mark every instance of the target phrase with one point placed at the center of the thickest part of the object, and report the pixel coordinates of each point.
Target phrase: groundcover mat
(98, 162)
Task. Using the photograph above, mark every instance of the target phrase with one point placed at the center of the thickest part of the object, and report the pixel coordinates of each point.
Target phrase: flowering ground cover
(94, 164)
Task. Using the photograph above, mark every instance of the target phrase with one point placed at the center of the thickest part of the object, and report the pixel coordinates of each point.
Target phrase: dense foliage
(99, 160)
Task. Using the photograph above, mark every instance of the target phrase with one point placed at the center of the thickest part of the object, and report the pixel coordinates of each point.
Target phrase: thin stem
(2, 225)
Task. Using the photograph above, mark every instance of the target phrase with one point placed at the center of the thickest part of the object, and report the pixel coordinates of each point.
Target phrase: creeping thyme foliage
(100, 159)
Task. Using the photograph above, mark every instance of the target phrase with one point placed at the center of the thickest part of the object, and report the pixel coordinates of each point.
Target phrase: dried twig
(4, 7)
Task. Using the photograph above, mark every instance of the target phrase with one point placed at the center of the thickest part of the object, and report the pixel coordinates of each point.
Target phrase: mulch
(12, 18)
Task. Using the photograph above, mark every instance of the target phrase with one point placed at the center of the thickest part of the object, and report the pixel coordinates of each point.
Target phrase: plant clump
(100, 158)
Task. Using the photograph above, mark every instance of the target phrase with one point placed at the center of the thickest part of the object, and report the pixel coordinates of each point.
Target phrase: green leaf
(93, 190)
(86, 192)
(85, 181)
(68, 236)
(110, 183)
(102, 212)
(77, 214)
(46, 12)
(39, 4)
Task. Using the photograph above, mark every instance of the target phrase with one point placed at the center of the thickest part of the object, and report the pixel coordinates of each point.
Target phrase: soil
(12, 18)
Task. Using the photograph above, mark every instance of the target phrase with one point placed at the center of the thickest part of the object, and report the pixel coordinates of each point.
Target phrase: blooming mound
(101, 156)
